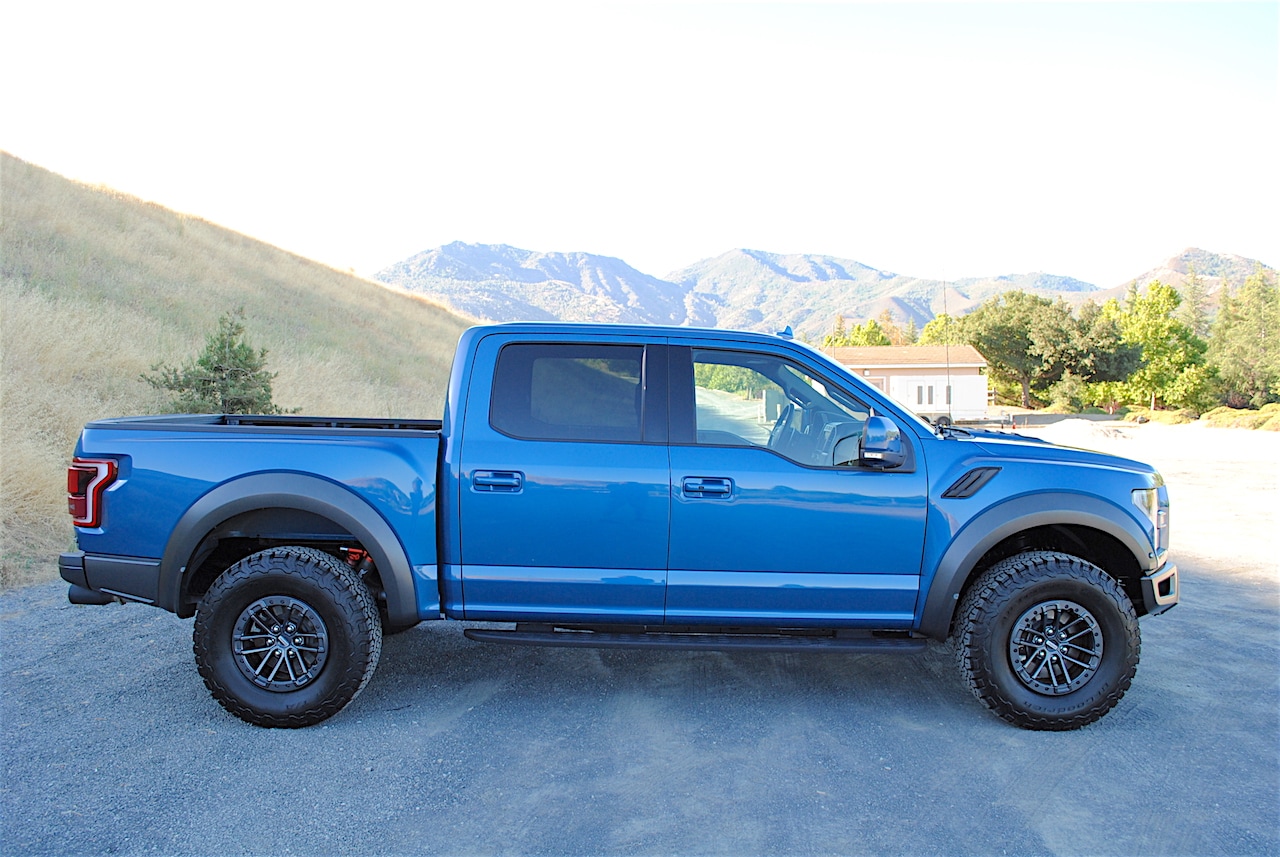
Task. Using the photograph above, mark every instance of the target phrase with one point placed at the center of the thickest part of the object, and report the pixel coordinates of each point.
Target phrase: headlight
(1148, 500)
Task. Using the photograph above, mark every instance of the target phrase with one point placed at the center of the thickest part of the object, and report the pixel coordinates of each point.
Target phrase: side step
(715, 642)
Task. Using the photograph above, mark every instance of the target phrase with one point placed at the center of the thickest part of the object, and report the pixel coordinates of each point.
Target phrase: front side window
(569, 392)
(746, 399)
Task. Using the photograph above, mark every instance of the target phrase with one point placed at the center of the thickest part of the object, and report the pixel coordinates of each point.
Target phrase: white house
(932, 380)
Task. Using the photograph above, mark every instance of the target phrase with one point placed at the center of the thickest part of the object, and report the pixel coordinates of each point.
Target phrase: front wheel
(287, 637)
(1047, 641)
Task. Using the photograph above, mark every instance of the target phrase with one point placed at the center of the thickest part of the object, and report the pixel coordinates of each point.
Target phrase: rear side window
(569, 392)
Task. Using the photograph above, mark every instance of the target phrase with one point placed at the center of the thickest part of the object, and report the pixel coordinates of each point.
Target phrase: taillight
(87, 478)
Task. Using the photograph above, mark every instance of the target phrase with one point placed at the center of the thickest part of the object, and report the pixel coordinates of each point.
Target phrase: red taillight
(87, 478)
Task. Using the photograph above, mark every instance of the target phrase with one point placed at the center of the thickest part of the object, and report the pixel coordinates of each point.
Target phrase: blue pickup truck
(600, 485)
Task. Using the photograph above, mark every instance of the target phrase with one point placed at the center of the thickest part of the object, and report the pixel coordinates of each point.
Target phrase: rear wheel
(287, 637)
(1047, 641)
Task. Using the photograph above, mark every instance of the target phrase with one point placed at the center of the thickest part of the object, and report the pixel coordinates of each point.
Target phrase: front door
(768, 528)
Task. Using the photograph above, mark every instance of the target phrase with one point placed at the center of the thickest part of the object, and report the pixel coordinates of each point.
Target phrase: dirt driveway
(110, 743)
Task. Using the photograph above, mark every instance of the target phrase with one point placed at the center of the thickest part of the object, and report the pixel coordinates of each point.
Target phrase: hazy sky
(938, 140)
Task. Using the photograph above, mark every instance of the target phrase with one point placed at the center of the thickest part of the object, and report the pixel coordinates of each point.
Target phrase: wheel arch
(1087, 527)
(283, 507)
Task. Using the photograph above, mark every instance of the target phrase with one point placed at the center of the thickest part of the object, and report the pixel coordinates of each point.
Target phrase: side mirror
(846, 451)
(881, 444)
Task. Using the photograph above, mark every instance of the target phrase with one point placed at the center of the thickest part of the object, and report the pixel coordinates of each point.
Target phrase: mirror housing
(880, 445)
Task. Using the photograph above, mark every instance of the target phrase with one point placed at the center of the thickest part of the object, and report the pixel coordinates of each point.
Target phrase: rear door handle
(508, 481)
(707, 486)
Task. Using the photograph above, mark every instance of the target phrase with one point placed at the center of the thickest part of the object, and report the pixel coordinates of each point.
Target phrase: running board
(714, 642)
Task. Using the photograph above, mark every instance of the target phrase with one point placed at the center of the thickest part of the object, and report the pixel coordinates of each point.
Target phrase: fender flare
(1010, 517)
(300, 492)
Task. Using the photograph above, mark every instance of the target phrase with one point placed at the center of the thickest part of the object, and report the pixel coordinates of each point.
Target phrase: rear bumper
(111, 577)
(1160, 589)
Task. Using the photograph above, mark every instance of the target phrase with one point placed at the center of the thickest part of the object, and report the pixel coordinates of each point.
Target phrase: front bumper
(1160, 589)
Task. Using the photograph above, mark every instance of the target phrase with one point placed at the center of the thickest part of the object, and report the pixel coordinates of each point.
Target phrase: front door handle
(509, 481)
(707, 486)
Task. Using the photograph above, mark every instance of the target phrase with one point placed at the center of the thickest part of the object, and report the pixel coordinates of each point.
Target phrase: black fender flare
(300, 492)
(1009, 518)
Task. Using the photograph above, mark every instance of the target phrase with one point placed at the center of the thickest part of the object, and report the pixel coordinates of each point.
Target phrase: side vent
(971, 483)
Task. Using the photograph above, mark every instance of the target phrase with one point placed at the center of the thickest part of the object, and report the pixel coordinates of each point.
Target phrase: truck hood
(1015, 446)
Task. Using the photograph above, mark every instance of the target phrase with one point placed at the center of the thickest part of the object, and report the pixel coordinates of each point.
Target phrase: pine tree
(1245, 347)
(229, 376)
(1194, 309)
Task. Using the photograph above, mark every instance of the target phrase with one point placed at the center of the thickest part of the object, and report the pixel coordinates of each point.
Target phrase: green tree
(1102, 354)
(229, 376)
(1026, 339)
(942, 330)
(1194, 310)
(1069, 393)
(912, 333)
(1245, 347)
(1170, 350)
(870, 333)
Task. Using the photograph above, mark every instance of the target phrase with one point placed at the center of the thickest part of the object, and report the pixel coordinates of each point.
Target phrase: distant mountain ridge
(750, 289)
(502, 283)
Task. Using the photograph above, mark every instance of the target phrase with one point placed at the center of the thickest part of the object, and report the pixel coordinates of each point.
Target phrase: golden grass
(1267, 418)
(1169, 418)
(97, 286)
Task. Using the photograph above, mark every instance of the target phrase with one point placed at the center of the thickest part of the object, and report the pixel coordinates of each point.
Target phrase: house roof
(890, 356)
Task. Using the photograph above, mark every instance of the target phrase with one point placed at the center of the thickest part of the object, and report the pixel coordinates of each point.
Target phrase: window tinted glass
(569, 392)
(744, 399)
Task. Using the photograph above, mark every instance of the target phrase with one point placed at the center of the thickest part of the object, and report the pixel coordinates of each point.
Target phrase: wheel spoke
(256, 651)
(1082, 664)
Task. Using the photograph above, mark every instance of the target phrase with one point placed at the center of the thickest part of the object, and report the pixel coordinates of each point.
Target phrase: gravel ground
(111, 745)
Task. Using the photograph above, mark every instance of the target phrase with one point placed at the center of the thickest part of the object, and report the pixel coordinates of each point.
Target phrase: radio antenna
(946, 343)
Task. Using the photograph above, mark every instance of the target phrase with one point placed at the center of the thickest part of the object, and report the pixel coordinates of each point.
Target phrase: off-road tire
(260, 675)
(1014, 677)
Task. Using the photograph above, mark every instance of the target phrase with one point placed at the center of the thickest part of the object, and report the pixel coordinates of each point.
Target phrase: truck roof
(650, 330)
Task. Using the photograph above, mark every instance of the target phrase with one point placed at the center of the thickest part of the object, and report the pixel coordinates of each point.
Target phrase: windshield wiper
(945, 429)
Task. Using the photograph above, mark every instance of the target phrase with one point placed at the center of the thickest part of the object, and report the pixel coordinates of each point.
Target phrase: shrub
(229, 377)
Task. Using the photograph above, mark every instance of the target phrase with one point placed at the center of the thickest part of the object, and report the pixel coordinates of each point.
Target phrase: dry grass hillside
(97, 286)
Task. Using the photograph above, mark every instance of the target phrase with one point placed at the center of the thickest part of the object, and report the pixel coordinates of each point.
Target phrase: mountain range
(748, 289)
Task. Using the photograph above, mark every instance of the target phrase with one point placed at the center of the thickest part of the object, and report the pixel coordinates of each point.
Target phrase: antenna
(946, 344)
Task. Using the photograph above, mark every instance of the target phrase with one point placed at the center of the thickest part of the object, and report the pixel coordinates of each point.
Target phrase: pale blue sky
(938, 140)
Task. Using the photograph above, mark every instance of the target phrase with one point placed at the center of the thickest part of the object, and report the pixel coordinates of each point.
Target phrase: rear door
(768, 527)
(564, 483)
